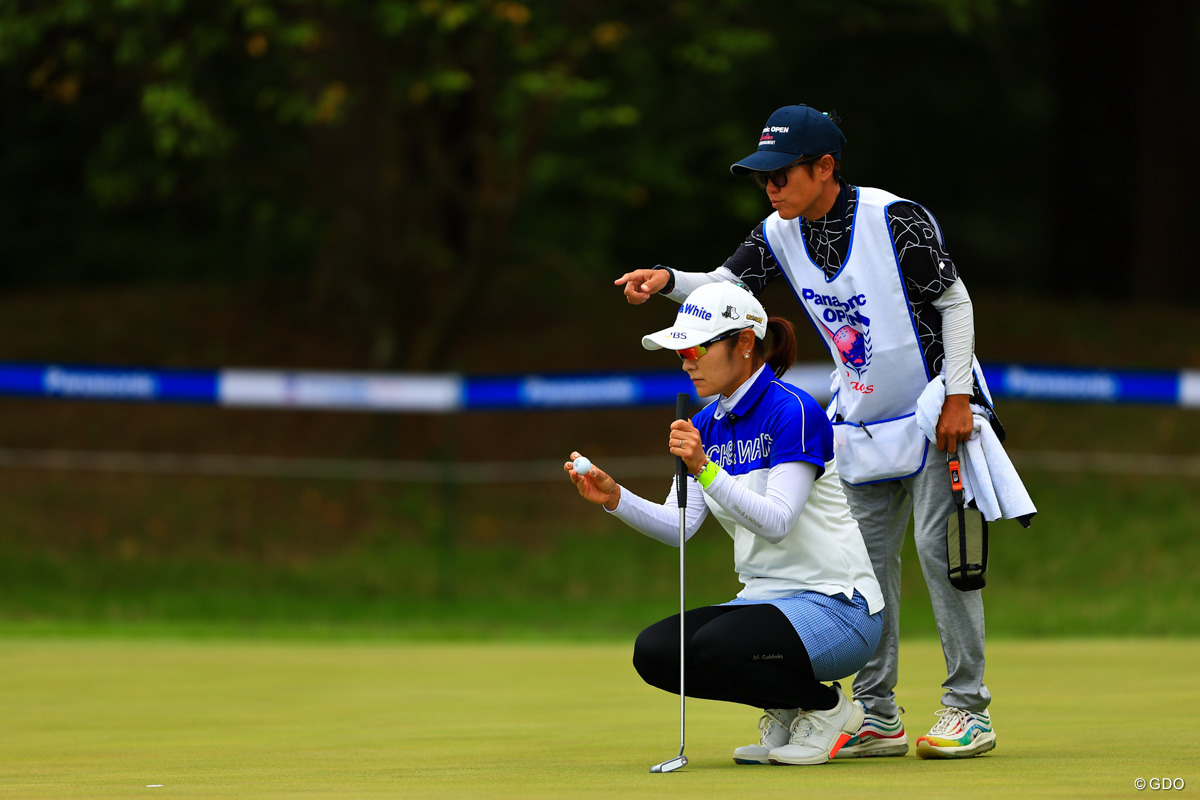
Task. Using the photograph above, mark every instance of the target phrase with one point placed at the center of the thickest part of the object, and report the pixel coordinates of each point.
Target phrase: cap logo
(754, 318)
(729, 313)
(767, 137)
(696, 311)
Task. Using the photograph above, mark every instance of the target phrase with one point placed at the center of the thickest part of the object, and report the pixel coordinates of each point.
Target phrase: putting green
(131, 718)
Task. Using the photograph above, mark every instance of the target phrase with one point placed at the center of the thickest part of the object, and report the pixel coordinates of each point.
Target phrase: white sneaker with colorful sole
(877, 736)
(958, 734)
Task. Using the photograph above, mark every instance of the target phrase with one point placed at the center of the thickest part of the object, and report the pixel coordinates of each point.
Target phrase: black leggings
(741, 654)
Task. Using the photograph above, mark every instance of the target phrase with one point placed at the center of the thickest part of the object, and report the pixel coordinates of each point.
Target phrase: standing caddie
(871, 272)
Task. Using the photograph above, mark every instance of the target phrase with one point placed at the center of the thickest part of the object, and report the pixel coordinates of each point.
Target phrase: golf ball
(582, 465)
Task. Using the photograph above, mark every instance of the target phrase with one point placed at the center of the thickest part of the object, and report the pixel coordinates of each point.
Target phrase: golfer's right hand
(596, 487)
(641, 283)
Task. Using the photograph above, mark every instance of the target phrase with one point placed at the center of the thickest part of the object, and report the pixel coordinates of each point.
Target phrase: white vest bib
(863, 316)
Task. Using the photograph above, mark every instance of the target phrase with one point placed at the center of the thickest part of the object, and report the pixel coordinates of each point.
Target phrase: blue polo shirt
(773, 423)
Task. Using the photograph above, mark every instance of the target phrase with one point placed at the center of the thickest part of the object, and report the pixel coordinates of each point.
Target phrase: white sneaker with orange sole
(816, 736)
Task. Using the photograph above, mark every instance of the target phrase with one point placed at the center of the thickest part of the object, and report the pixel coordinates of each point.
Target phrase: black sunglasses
(779, 176)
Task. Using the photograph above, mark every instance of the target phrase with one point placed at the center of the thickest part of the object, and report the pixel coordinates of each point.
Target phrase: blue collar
(753, 394)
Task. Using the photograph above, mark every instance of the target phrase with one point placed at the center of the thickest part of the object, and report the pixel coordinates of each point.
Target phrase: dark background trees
(407, 161)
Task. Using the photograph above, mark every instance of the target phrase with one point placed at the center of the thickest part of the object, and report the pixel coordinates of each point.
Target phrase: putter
(966, 537)
(682, 400)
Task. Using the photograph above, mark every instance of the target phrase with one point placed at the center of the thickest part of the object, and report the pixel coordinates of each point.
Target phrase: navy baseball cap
(792, 132)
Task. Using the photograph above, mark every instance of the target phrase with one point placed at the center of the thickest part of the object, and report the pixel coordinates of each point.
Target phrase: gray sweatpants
(882, 511)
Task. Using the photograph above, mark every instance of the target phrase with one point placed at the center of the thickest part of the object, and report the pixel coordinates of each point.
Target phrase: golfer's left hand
(956, 423)
(596, 487)
(685, 443)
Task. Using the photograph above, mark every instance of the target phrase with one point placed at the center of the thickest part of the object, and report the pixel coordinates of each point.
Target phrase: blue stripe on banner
(575, 391)
(445, 393)
(16, 379)
(108, 383)
(1081, 385)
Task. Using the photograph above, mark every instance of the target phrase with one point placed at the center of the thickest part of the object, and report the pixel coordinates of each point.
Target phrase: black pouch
(966, 538)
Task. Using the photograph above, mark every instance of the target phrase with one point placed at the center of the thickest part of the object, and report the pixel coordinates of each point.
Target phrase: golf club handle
(682, 401)
(682, 631)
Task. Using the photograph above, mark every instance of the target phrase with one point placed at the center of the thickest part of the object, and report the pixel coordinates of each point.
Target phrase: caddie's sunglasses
(779, 176)
(694, 353)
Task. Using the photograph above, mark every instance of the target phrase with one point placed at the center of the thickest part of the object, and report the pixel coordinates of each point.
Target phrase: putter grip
(956, 486)
(682, 401)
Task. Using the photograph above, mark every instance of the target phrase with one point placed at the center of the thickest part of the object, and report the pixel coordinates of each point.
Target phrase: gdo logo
(1160, 784)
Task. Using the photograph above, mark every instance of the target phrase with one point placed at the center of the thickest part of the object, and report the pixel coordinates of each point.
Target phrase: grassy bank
(1107, 555)
(86, 550)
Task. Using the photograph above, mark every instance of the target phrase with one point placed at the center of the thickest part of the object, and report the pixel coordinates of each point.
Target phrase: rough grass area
(114, 717)
(86, 551)
(1107, 555)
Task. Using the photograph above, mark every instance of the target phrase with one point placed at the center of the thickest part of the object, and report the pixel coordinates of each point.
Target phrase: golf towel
(988, 475)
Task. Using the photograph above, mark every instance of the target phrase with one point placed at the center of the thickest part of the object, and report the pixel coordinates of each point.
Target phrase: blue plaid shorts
(839, 633)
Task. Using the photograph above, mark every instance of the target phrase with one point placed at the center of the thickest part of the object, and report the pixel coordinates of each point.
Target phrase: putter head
(670, 765)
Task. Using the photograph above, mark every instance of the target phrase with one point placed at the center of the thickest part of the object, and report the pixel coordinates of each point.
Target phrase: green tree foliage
(410, 156)
(393, 141)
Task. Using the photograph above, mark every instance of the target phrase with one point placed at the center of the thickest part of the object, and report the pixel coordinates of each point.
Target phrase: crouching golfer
(810, 608)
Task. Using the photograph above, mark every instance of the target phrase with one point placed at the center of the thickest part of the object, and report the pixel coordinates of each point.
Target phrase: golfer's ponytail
(783, 345)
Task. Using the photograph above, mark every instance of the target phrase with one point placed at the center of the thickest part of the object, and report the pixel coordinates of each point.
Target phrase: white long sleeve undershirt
(688, 282)
(958, 337)
(771, 516)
